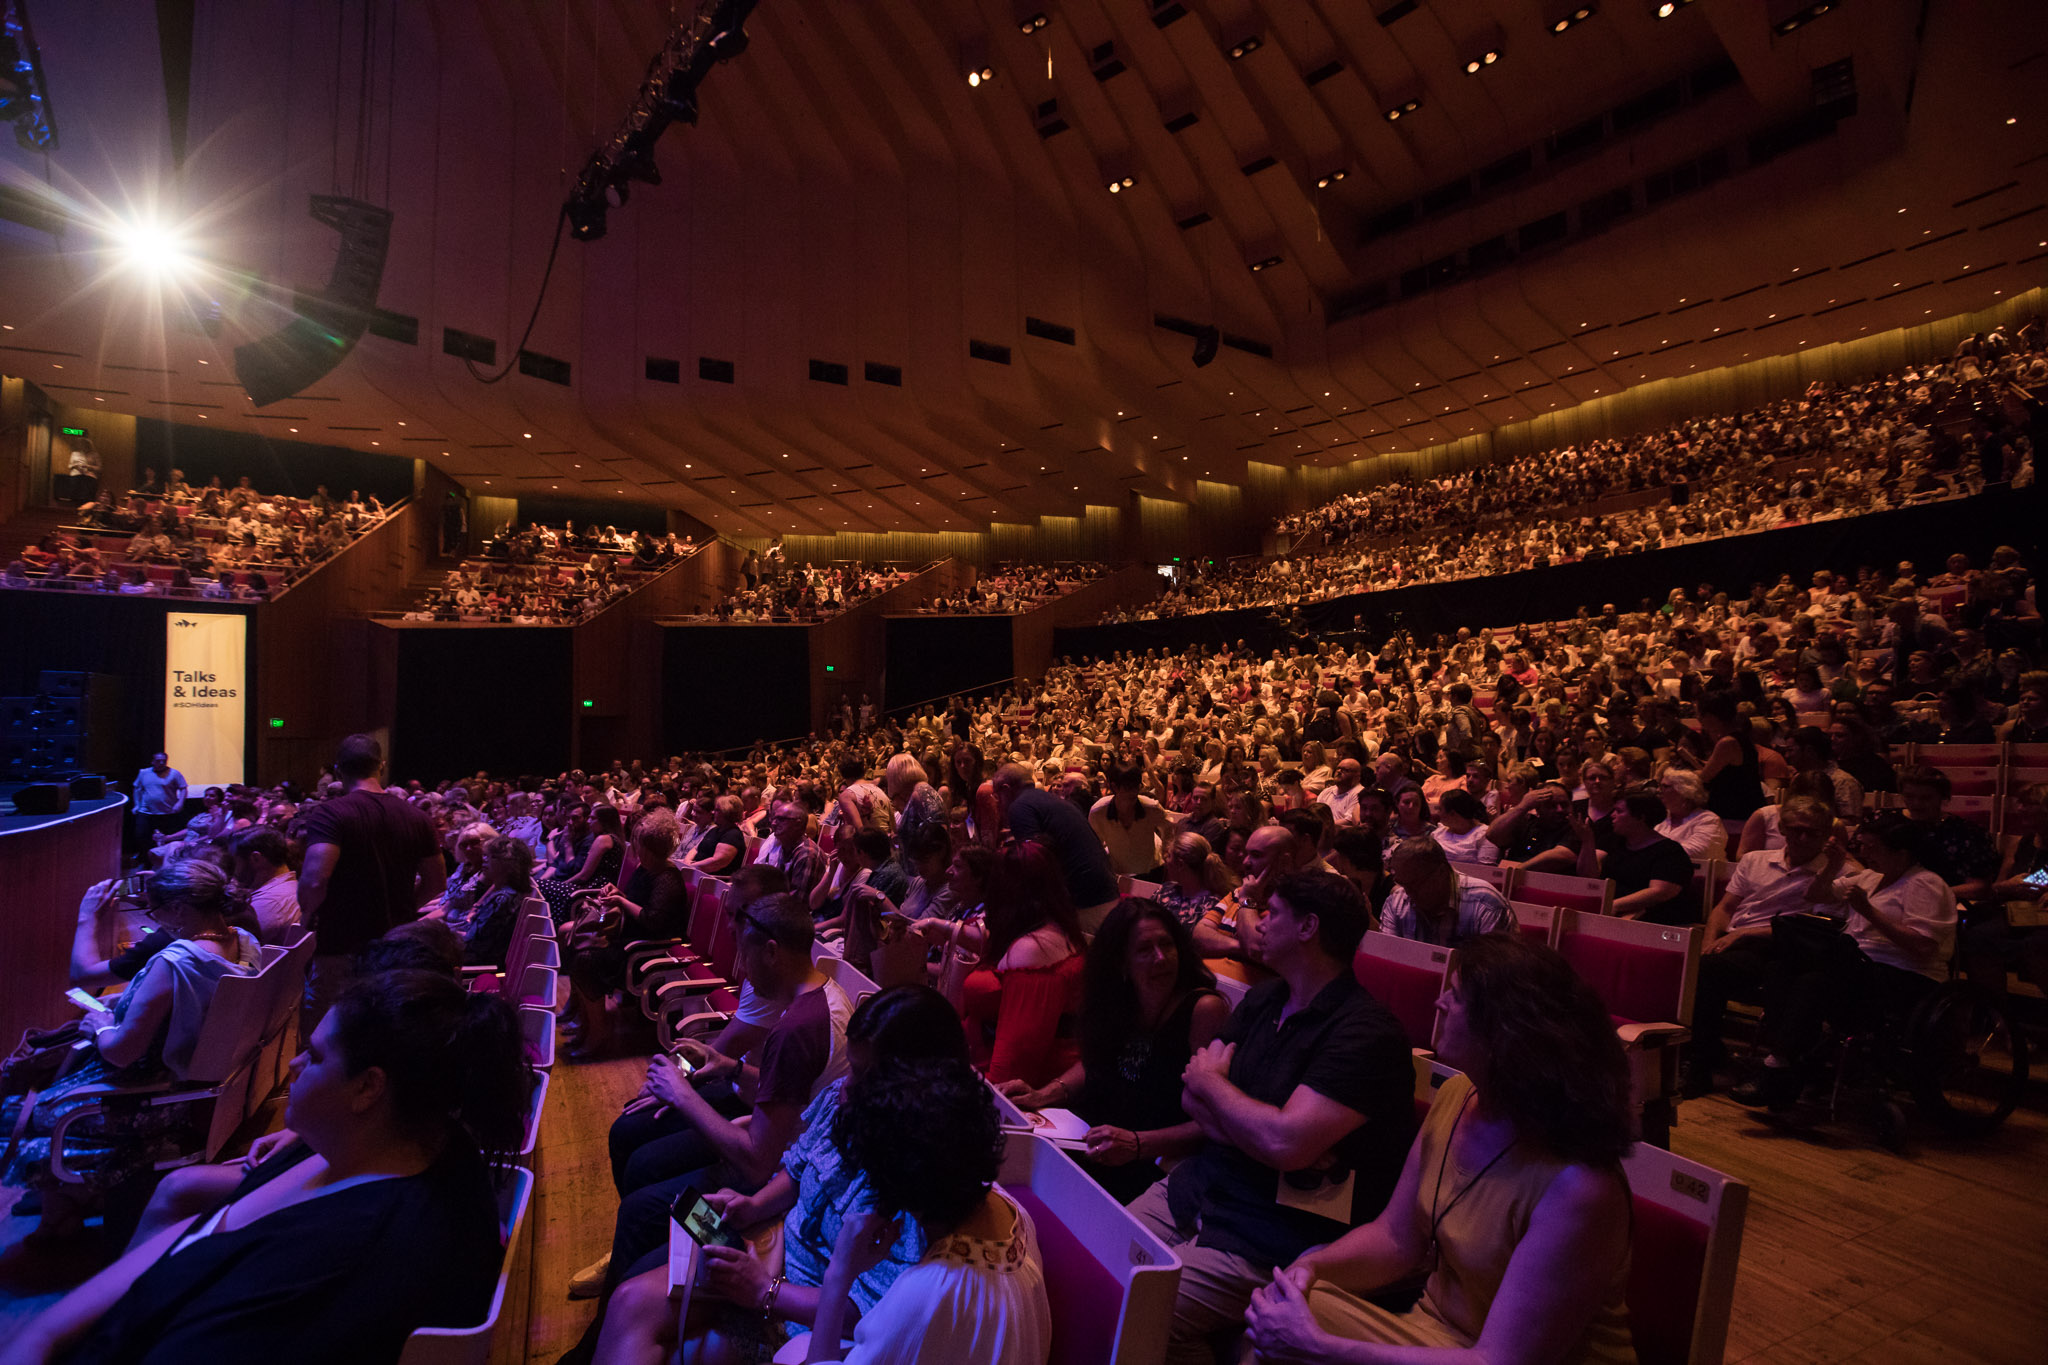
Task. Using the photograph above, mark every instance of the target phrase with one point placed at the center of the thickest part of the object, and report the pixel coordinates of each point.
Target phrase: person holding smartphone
(765, 1255)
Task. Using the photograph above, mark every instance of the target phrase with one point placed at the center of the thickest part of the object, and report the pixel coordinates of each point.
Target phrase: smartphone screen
(86, 1000)
(2038, 878)
(695, 1216)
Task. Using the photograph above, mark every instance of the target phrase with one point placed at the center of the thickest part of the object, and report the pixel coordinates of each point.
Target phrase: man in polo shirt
(1033, 816)
(1305, 1107)
(1737, 953)
(1433, 902)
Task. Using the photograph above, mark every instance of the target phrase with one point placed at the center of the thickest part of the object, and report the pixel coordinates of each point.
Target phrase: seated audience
(379, 1218)
(149, 1034)
(1148, 1005)
(1525, 1245)
(1021, 997)
(1308, 1091)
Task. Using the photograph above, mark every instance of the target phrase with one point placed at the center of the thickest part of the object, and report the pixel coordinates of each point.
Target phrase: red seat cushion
(1407, 991)
(1087, 1300)
(1638, 985)
(1666, 1263)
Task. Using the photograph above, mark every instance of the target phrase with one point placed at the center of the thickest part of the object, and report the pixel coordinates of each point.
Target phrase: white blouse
(968, 1302)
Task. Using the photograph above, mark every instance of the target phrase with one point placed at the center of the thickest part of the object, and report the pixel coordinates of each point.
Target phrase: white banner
(205, 687)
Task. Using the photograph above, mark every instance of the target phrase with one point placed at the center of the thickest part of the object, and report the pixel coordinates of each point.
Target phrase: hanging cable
(546, 275)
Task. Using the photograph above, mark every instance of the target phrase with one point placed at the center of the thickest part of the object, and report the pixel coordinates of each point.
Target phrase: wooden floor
(1852, 1253)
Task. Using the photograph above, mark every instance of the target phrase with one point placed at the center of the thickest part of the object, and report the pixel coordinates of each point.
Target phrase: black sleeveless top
(1142, 1093)
(344, 1277)
(1737, 791)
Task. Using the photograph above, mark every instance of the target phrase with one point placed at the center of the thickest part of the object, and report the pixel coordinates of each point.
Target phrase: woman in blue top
(749, 1302)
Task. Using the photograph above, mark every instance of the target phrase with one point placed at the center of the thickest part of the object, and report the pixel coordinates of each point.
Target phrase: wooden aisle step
(574, 1204)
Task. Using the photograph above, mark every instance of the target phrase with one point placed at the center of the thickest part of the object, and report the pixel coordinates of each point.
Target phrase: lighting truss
(24, 100)
(714, 32)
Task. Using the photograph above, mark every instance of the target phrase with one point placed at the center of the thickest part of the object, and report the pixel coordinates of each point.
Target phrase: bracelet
(768, 1301)
(1137, 1145)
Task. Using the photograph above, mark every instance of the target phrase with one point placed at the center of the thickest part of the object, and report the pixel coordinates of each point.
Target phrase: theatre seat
(1110, 1282)
(472, 1345)
(1645, 974)
(1688, 1238)
(1501, 879)
(1592, 895)
(1537, 923)
(1406, 977)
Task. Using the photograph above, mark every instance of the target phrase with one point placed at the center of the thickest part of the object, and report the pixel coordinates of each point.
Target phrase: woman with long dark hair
(1147, 1005)
(1512, 1200)
(379, 1219)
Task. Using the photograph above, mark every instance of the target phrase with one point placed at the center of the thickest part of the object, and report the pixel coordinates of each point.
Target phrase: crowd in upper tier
(1925, 433)
(538, 576)
(1014, 588)
(171, 538)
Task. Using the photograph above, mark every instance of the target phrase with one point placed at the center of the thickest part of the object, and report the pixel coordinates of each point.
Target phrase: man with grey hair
(1433, 902)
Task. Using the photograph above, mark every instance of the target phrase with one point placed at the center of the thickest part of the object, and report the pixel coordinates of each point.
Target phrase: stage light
(1566, 21)
(1119, 186)
(1239, 51)
(1664, 9)
(1405, 107)
(151, 249)
(1034, 23)
(1332, 178)
(982, 77)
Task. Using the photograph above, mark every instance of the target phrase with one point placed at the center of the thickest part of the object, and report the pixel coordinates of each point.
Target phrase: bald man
(1230, 929)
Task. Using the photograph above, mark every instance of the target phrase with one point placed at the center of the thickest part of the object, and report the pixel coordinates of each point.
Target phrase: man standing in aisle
(371, 862)
(159, 799)
(1031, 815)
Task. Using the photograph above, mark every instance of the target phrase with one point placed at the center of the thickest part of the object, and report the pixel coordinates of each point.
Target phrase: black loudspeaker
(44, 798)
(88, 787)
(1206, 342)
(1681, 493)
(329, 322)
(56, 682)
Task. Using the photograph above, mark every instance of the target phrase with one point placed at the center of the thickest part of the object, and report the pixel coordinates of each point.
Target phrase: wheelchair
(1956, 1053)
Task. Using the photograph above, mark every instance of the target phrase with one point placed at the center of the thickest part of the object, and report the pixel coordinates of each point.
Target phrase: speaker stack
(69, 727)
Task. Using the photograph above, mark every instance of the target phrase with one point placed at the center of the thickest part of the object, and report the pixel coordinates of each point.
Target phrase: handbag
(38, 1059)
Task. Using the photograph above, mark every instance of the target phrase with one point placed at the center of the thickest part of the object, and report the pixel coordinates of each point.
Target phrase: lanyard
(1438, 1214)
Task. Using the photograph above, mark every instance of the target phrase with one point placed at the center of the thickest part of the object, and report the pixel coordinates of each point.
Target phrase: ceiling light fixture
(1487, 58)
(981, 77)
(1577, 16)
(1243, 49)
(1034, 23)
(1664, 9)
(1266, 264)
(1332, 178)
(1119, 186)
(1405, 107)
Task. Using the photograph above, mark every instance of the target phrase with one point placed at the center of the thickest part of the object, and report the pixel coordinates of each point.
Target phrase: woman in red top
(1022, 1000)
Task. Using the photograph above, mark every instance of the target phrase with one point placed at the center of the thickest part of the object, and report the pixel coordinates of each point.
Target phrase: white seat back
(472, 1345)
(1111, 1282)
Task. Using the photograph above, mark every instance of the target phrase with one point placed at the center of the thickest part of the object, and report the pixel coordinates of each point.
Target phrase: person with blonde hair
(916, 800)
(721, 848)
(1699, 831)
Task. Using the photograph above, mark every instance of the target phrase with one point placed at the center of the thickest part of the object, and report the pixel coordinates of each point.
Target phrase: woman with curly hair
(925, 1138)
(1512, 1201)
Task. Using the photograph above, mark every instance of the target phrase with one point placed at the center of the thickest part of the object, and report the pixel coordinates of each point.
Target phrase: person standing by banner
(160, 794)
(371, 862)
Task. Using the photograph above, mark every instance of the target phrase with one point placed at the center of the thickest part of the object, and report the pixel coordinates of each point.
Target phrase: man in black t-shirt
(371, 862)
(1031, 815)
(1301, 1113)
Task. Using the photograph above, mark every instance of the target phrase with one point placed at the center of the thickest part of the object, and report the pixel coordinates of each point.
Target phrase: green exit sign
(588, 703)
(72, 431)
(277, 722)
(829, 668)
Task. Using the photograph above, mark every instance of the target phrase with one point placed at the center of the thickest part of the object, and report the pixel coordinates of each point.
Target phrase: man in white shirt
(1132, 826)
(1341, 796)
(262, 864)
(1737, 954)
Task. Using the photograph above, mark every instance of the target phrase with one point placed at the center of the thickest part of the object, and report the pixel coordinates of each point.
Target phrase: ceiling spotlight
(1034, 23)
(981, 77)
(1664, 9)
(1332, 178)
(1577, 16)
(1405, 107)
(1266, 264)
(1119, 186)
(1245, 48)
(151, 249)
